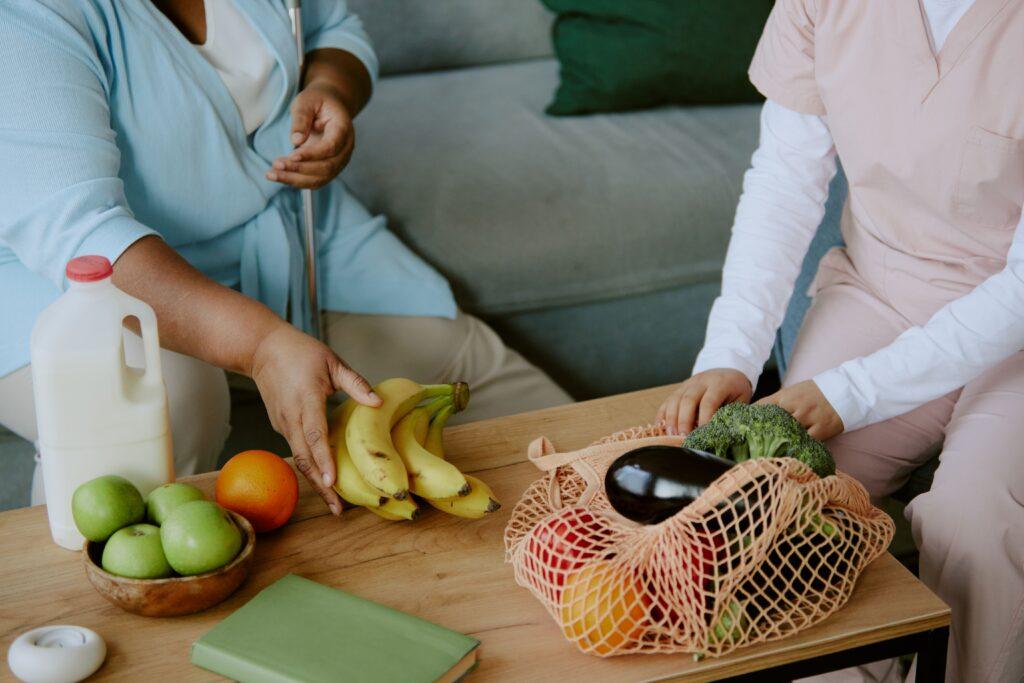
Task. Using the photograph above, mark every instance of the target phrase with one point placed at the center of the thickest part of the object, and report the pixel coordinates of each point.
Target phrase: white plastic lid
(56, 654)
(88, 269)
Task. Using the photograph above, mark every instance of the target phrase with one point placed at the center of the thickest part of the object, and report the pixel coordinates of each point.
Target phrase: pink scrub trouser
(969, 527)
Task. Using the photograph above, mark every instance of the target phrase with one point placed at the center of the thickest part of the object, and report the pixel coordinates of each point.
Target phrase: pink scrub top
(932, 146)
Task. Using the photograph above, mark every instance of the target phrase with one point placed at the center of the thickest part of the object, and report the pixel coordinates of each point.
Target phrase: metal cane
(309, 229)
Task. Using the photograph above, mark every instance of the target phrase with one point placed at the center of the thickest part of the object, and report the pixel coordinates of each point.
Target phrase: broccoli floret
(816, 456)
(770, 431)
(739, 432)
(714, 437)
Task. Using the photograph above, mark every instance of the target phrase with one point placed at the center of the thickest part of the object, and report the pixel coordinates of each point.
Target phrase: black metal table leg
(930, 647)
(931, 657)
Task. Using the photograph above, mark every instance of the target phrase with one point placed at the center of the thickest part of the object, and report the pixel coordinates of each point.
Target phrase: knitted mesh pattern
(769, 549)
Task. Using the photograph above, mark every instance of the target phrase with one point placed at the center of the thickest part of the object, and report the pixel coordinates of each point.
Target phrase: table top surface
(445, 569)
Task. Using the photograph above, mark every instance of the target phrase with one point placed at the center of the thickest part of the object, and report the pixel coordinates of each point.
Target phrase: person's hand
(323, 137)
(295, 374)
(696, 400)
(808, 405)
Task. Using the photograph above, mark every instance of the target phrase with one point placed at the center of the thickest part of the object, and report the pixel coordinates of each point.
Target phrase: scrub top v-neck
(932, 144)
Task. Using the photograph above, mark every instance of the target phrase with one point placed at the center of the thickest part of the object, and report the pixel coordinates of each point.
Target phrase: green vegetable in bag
(739, 431)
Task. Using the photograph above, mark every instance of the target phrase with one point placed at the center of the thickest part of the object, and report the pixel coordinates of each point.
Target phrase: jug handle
(150, 337)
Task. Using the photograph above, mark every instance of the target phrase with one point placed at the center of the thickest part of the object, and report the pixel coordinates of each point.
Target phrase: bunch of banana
(384, 453)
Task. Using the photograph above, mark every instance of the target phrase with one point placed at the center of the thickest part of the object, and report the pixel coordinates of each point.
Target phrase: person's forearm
(963, 339)
(783, 201)
(341, 71)
(196, 316)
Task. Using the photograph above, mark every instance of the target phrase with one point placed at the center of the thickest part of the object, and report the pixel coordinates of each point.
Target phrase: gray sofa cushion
(523, 211)
(610, 347)
(422, 35)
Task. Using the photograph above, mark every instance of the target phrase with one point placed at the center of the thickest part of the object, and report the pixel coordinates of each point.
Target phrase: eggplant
(652, 483)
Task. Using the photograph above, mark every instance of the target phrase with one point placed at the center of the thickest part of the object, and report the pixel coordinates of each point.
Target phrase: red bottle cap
(88, 269)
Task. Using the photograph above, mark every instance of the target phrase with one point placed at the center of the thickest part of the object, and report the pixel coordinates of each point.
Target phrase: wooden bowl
(177, 595)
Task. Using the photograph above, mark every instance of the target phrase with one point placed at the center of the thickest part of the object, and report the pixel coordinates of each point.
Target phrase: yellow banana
(397, 510)
(434, 441)
(478, 503)
(422, 423)
(368, 432)
(386, 515)
(480, 500)
(348, 483)
(429, 475)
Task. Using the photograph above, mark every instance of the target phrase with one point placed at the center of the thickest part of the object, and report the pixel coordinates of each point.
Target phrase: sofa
(592, 244)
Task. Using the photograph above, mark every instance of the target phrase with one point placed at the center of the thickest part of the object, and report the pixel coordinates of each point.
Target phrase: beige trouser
(969, 527)
(429, 350)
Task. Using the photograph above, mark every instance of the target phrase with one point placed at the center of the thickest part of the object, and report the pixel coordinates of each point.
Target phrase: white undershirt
(783, 200)
(242, 60)
(942, 16)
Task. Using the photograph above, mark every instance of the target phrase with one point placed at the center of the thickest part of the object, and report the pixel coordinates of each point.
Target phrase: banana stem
(460, 396)
(458, 391)
(438, 404)
(436, 390)
(442, 416)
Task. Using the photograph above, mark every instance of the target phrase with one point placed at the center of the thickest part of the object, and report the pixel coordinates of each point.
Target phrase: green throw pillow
(629, 54)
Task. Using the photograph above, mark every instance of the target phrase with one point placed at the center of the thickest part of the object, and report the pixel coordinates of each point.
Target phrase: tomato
(685, 584)
(560, 545)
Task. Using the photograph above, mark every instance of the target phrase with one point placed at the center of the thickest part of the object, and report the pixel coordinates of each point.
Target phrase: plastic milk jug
(95, 414)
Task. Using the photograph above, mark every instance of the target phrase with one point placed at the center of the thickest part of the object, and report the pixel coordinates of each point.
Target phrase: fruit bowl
(175, 596)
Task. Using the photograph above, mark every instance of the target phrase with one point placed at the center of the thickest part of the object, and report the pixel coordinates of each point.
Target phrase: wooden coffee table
(452, 571)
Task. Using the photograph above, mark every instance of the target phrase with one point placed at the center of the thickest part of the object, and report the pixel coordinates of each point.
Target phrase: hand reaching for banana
(295, 374)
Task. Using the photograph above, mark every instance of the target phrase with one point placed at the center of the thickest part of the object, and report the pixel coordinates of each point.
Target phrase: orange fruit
(260, 486)
(603, 608)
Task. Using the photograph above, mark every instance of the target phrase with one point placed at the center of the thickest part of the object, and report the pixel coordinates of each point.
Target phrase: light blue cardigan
(113, 126)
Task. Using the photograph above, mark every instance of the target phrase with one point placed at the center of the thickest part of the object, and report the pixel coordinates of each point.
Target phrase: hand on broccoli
(805, 401)
(694, 401)
(739, 432)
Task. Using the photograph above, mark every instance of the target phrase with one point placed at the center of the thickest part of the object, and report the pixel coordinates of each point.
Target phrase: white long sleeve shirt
(781, 207)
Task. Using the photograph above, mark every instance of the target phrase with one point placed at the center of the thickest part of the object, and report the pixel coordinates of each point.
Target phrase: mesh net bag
(769, 549)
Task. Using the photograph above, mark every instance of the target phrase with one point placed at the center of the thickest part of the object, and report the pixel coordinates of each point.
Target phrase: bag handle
(543, 455)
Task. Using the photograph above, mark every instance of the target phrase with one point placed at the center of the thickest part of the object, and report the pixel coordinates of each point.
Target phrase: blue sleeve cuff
(341, 39)
(112, 237)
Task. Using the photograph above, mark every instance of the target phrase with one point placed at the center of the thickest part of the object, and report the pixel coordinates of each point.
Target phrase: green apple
(165, 498)
(135, 551)
(103, 505)
(199, 537)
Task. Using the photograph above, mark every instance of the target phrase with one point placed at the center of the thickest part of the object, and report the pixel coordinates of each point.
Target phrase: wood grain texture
(445, 569)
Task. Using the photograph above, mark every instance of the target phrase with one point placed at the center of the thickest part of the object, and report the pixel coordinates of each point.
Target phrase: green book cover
(299, 630)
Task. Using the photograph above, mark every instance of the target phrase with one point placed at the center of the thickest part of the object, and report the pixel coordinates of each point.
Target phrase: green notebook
(298, 630)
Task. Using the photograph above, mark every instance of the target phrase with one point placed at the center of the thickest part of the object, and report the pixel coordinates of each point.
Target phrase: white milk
(96, 415)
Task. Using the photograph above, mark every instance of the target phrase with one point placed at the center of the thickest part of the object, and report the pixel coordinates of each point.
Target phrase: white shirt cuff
(852, 409)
